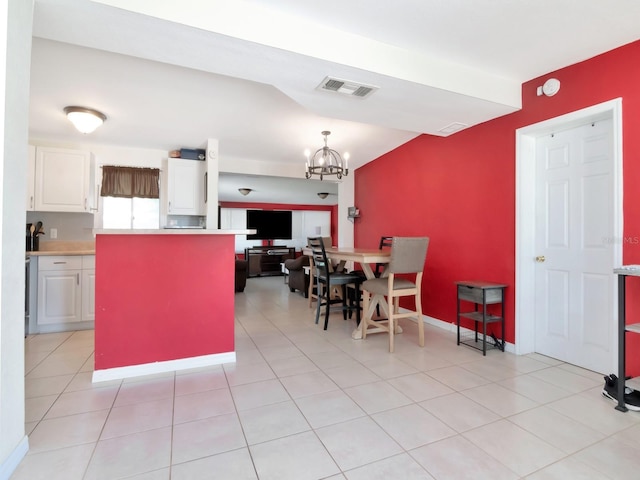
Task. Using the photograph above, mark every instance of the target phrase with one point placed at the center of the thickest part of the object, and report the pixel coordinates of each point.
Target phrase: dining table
(365, 257)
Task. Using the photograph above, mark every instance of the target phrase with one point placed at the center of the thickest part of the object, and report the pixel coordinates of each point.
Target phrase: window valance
(129, 182)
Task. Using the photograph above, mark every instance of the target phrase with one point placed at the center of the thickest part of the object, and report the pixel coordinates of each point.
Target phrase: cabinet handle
(31, 201)
(169, 207)
(77, 279)
(205, 186)
(85, 203)
(59, 263)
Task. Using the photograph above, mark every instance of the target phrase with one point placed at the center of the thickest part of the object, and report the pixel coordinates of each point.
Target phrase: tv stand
(263, 261)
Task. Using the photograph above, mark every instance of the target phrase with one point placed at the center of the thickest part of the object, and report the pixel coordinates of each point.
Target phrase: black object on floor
(610, 391)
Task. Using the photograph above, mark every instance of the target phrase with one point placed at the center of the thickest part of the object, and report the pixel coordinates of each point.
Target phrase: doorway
(528, 304)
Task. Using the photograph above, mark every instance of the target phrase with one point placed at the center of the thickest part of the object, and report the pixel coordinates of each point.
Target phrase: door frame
(525, 213)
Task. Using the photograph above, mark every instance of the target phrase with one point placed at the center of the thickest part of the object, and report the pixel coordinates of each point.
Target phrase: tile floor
(302, 403)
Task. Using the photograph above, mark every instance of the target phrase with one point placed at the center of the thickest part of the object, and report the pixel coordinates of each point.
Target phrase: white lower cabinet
(88, 288)
(66, 293)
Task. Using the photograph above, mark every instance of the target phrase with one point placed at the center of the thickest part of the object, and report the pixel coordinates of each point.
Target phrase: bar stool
(327, 279)
(408, 256)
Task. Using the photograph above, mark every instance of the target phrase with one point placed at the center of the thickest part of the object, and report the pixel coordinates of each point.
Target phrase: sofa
(241, 274)
(297, 278)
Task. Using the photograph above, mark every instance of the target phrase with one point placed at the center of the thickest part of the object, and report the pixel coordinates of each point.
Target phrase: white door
(574, 284)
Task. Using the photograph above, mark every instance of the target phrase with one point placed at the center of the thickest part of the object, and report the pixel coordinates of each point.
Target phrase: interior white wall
(213, 175)
(257, 167)
(15, 51)
(346, 199)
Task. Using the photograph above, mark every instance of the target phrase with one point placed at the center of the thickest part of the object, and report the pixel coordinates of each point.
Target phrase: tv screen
(269, 224)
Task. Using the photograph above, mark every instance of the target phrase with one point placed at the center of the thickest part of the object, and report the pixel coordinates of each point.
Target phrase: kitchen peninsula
(164, 300)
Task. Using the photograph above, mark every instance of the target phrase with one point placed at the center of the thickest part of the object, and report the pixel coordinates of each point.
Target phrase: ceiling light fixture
(86, 120)
(245, 191)
(323, 195)
(326, 161)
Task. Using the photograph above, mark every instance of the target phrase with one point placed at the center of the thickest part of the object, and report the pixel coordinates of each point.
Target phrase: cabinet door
(62, 180)
(88, 295)
(59, 296)
(186, 187)
(31, 178)
(88, 288)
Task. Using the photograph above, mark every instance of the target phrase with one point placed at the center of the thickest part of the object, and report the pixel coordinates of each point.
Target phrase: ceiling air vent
(452, 128)
(346, 87)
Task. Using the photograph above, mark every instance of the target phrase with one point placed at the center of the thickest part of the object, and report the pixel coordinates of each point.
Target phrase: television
(269, 224)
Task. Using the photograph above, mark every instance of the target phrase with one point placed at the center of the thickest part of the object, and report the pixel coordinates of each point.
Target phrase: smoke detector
(346, 87)
(550, 88)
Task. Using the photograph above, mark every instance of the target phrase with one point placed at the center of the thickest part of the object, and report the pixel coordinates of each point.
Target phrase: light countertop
(89, 247)
(61, 247)
(61, 252)
(174, 231)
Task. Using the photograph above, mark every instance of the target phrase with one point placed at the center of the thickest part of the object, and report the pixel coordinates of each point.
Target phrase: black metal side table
(480, 294)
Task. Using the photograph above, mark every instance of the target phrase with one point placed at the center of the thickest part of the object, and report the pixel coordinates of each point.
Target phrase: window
(130, 197)
(130, 213)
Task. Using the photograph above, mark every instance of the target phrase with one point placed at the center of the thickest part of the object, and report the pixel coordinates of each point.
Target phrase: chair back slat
(408, 254)
(319, 255)
(385, 242)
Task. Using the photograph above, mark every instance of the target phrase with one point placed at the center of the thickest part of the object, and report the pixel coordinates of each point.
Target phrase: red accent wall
(163, 297)
(283, 206)
(460, 190)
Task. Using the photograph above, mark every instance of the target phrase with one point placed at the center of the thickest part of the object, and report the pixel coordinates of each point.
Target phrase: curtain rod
(130, 166)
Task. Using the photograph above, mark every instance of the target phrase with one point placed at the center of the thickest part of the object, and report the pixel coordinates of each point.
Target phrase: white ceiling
(173, 74)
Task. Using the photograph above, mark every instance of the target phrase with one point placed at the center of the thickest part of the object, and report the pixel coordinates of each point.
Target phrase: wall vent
(346, 87)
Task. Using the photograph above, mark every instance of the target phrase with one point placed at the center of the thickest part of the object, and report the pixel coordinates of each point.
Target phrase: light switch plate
(53, 233)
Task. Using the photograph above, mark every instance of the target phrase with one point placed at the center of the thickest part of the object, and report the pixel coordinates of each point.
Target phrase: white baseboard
(13, 460)
(451, 327)
(120, 373)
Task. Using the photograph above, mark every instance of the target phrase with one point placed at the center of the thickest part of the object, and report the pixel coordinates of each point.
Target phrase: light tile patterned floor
(302, 403)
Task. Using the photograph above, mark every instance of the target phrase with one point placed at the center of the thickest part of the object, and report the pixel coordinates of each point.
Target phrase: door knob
(540, 258)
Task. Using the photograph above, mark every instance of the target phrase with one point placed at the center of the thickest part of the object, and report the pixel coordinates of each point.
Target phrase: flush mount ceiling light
(245, 191)
(323, 195)
(326, 161)
(86, 120)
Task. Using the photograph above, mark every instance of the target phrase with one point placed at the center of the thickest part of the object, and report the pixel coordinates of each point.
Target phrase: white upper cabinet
(186, 187)
(63, 180)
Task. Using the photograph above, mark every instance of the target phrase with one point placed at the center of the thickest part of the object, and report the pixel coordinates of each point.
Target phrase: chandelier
(326, 161)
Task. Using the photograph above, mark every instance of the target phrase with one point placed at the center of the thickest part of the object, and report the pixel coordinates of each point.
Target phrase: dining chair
(408, 256)
(312, 275)
(385, 242)
(327, 280)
